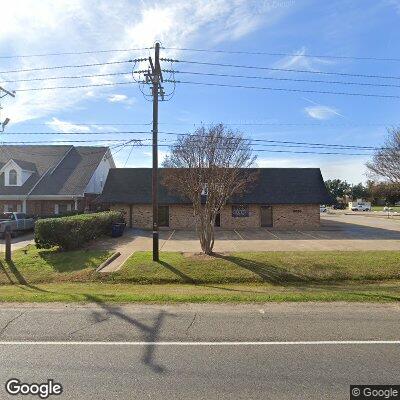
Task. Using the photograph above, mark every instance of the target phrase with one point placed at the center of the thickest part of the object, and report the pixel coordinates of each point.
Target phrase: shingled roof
(273, 186)
(57, 170)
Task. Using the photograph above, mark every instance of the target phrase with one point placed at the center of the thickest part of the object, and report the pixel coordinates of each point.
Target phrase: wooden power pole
(155, 75)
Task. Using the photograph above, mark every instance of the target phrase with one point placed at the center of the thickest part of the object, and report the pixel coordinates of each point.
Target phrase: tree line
(384, 174)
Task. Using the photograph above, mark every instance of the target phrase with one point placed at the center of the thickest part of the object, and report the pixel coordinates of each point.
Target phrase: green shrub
(67, 214)
(72, 232)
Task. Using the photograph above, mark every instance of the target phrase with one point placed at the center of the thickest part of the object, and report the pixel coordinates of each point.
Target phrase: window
(12, 177)
(62, 208)
(240, 211)
(8, 208)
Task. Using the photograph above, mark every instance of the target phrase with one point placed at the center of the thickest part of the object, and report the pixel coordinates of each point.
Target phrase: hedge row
(72, 232)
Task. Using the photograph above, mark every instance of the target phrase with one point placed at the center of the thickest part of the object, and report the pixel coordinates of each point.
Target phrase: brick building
(43, 180)
(281, 198)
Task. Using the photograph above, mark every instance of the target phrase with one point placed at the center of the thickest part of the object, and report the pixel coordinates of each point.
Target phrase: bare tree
(208, 167)
(386, 161)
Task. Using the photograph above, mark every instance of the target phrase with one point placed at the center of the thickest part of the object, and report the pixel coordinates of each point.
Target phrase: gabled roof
(273, 186)
(24, 165)
(57, 170)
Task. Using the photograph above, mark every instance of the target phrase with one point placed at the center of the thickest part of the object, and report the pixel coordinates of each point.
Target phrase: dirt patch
(202, 256)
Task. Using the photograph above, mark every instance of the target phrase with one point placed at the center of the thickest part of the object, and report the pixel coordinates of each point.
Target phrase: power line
(208, 84)
(278, 54)
(69, 53)
(139, 143)
(74, 133)
(72, 66)
(74, 86)
(62, 141)
(282, 79)
(275, 142)
(280, 69)
(206, 123)
(263, 53)
(287, 89)
(92, 124)
(67, 77)
(288, 151)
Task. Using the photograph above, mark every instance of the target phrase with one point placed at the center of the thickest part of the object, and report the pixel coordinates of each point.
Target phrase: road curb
(108, 261)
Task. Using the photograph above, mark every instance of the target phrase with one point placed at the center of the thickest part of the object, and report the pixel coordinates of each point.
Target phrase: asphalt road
(277, 351)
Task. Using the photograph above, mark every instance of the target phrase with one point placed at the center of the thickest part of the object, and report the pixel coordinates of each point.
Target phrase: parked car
(322, 208)
(361, 207)
(15, 222)
(339, 206)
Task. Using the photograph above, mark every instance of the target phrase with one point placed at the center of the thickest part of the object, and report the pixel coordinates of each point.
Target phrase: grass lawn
(380, 208)
(206, 293)
(49, 275)
(279, 268)
(32, 265)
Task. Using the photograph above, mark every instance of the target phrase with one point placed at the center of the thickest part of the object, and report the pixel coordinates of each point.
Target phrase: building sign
(240, 211)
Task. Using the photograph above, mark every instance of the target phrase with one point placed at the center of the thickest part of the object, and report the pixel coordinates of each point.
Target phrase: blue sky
(296, 27)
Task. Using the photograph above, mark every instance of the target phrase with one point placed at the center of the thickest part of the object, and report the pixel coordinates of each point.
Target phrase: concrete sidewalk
(337, 233)
(18, 242)
(132, 241)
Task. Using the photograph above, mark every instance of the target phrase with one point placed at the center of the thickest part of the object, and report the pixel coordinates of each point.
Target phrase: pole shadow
(150, 333)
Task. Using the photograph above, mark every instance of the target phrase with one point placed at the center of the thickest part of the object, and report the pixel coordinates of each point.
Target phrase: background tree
(386, 161)
(360, 191)
(390, 192)
(338, 188)
(208, 167)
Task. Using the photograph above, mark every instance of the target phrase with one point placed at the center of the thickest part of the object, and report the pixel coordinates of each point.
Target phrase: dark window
(62, 208)
(241, 210)
(163, 215)
(12, 177)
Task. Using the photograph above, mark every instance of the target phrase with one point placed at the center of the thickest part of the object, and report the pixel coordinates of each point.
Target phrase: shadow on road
(150, 332)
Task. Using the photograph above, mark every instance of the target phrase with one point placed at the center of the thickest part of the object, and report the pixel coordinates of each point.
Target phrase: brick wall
(10, 203)
(47, 207)
(41, 207)
(142, 214)
(304, 216)
(252, 221)
(181, 216)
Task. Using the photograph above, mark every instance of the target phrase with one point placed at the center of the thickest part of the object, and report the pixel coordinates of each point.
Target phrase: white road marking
(308, 234)
(170, 236)
(288, 343)
(277, 237)
(241, 237)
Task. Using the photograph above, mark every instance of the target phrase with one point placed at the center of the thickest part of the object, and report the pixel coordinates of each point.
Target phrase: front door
(266, 216)
(163, 216)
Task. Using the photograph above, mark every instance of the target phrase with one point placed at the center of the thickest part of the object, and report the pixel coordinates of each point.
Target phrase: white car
(361, 207)
(322, 209)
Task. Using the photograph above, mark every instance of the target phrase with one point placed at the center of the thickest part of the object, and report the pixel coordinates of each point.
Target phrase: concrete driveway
(18, 242)
(337, 232)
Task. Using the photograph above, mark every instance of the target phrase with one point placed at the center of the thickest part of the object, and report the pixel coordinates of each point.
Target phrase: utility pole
(156, 78)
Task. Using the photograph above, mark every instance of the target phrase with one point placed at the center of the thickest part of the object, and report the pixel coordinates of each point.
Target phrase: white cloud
(299, 61)
(129, 24)
(117, 98)
(321, 112)
(65, 126)
(120, 98)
